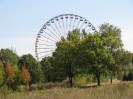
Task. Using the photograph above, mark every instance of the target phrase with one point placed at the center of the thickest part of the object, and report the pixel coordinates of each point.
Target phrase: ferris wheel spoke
(63, 27)
(89, 30)
(49, 38)
(55, 31)
(46, 41)
(66, 24)
(45, 48)
(70, 24)
(72, 20)
(85, 27)
(53, 34)
(60, 28)
(84, 23)
(46, 45)
(74, 23)
(45, 51)
(77, 24)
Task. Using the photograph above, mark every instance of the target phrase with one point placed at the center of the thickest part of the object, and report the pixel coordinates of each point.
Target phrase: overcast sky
(21, 20)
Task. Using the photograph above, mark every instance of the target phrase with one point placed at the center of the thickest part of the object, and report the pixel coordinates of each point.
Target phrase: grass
(116, 91)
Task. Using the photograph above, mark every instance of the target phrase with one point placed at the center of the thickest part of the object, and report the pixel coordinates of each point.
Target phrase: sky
(21, 20)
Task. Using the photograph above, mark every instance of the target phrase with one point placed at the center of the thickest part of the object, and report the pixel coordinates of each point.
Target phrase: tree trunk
(98, 81)
(71, 81)
(111, 79)
(98, 78)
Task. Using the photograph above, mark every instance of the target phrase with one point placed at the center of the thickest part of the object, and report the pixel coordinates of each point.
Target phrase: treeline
(16, 71)
(100, 54)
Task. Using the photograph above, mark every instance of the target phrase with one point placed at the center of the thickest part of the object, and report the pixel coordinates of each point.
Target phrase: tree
(95, 55)
(33, 67)
(9, 54)
(25, 75)
(17, 78)
(65, 55)
(52, 71)
(112, 41)
(123, 62)
(2, 73)
(10, 75)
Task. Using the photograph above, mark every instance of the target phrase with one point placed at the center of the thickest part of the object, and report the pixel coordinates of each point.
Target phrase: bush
(40, 86)
(128, 77)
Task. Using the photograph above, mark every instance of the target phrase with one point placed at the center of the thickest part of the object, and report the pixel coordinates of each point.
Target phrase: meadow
(115, 91)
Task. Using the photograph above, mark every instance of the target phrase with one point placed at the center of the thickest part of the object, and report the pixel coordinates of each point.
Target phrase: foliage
(123, 62)
(17, 78)
(83, 79)
(95, 55)
(2, 73)
(9, 54)
(65, 55)
(40, 86)
(51, 71)
(33, 67)
(10, 75)
(100, 54)
(25, 76)
(112, 41)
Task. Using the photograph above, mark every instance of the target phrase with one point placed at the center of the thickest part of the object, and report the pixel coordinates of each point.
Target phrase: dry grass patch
(117, 91)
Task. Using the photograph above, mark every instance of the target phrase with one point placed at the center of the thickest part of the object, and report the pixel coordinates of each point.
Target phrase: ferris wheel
(57, 27)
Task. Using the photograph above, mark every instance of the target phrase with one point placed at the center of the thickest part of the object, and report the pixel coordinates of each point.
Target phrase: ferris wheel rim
(57, 18)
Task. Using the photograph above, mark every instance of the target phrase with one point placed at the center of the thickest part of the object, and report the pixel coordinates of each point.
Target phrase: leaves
(25, 75)
(9, 54)
(2, 73)
(33, 67)
(9, 73)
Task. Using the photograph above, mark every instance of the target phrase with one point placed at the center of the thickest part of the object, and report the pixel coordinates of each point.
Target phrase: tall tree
(25, 75)
(10, 75)
(112, 41)
(33, 67)
(65, 55)
(95, 55)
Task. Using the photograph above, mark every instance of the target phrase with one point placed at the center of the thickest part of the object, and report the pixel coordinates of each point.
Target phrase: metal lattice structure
(57, 27)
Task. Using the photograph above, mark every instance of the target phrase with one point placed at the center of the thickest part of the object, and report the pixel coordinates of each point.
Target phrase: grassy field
(116, 91)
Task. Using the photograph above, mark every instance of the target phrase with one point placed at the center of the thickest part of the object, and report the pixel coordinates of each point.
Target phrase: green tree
(65, 55)
(95, 55)
(112, 41)
(2, 73)
(123, 62)
(9, 54)
(52, 71)
(33, 67)
(17, 78)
